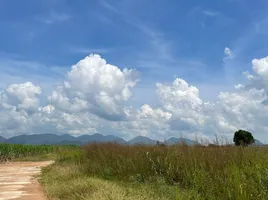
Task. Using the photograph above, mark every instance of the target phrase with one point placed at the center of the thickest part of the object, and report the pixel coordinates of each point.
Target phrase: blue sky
(161, 39)
(209, 44)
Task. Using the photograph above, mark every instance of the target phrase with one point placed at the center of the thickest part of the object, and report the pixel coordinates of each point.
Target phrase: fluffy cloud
(184, 103)
(23, 96)
(94, 86)
(94, 98)
(260, 67)
(178, 96)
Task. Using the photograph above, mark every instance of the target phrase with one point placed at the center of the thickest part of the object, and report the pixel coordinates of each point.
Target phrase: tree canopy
(243, 138)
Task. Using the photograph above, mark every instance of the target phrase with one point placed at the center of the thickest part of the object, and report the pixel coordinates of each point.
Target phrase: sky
(146, 67)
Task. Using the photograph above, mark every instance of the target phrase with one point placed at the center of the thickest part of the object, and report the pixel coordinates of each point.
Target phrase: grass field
(112, 171)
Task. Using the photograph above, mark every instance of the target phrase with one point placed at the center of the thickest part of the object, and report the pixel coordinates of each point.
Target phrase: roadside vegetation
(112, 171)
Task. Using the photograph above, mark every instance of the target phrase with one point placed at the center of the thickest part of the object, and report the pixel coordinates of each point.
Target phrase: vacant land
(159, 172)
(112, 171)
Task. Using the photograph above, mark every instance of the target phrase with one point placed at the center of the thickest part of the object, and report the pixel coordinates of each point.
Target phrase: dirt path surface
(18, 180)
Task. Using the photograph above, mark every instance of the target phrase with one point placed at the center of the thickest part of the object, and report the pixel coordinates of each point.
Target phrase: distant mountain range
(173, 140)
(65, 139)
(2, 139)
(142, 140)
(49, 139)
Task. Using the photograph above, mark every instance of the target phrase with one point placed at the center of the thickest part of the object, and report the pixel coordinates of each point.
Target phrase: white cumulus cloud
(94, 97)
(24, 96)
(94, 86)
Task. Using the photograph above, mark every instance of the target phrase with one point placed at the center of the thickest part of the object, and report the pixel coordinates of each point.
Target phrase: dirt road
(18, 180)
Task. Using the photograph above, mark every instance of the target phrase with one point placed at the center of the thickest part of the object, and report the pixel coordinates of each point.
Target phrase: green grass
(178, 172)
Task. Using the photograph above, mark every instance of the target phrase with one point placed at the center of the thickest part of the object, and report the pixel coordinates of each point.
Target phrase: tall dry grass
(224, 172)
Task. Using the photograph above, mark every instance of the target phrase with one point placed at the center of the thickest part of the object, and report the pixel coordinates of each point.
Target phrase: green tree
(243, 138)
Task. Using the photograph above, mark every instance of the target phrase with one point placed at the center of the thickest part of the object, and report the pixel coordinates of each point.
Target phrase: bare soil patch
(18, 180)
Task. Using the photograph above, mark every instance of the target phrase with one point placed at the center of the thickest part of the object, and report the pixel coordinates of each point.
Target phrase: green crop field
(32, 152)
